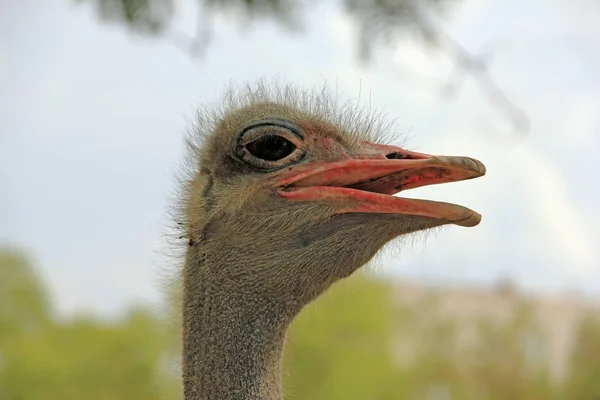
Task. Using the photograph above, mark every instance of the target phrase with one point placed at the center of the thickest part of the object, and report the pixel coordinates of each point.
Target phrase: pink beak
(367, 183)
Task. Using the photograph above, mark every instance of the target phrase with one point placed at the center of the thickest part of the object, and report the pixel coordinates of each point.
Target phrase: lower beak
(367, 184)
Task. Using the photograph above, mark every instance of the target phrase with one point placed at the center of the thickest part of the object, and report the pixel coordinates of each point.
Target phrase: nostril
(395, 156)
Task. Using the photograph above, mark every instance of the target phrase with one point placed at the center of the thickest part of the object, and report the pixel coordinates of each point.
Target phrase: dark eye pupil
(271, 147)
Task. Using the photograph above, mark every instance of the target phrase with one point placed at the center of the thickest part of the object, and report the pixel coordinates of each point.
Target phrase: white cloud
(3, 66)
(344, 31)
(559, 223)
(582, 121)
(549, 223)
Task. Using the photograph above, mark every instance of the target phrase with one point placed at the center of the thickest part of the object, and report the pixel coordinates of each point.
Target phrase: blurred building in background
(548, 341)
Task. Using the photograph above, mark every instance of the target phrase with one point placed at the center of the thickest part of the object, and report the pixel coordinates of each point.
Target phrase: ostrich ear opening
(367, 183)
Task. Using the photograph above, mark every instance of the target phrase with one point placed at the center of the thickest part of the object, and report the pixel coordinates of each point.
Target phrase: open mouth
(368, 185)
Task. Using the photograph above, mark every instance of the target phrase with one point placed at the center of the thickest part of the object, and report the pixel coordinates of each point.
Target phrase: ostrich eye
(271, 147)
(270, 144)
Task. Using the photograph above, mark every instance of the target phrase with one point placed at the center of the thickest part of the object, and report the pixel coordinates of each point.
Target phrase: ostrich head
(299, 194)
(287, 195)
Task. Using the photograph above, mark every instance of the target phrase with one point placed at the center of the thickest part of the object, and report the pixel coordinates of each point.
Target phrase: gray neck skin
(232, 342)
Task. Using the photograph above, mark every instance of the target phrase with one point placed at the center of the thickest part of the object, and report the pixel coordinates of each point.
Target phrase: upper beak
(366, 183)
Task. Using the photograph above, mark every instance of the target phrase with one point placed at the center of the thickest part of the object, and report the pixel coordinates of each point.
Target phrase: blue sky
(91, 121)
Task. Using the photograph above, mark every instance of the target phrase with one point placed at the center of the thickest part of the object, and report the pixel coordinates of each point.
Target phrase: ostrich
(288, 193)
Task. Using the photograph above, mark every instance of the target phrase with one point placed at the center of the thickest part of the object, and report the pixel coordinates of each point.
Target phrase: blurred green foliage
(45, 359)
(378, 21)
(352, 343)
(338, 347)
(584, 381)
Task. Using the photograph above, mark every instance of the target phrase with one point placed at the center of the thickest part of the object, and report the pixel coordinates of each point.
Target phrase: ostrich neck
(232, 342)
